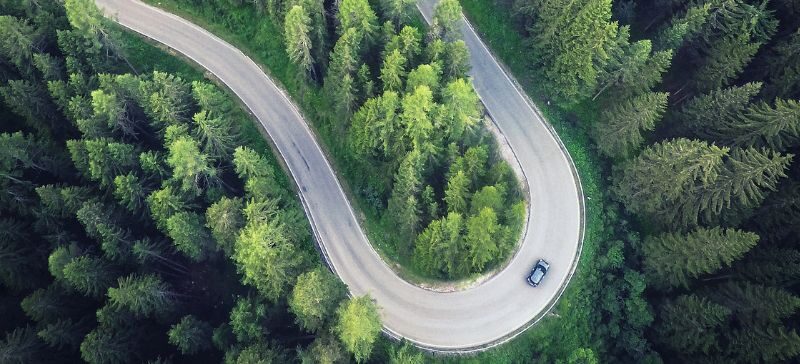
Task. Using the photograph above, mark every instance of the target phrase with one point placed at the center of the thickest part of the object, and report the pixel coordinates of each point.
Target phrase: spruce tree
(683, 27)
(143, 295)
(691, 324)
(782, 68)
(298, 42)
(224, 218)
(480, 238)
(570, 39)
(762, 125)
(632, 69)
(190, 335)
(754, 304)
(664, 174)
(769, 343)
(89, 275)
(770, 266)
(393, 71)
(701, 113)
(673, 259)
(619, 131)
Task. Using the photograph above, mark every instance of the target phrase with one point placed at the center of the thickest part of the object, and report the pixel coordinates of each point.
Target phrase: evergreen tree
(344, 61)
(63, 333)
(298, 42)
(663, 173)
(17, 45)
(216, 133)
(632, 69)
(393, 71)
(753, 303)
(407, 42)
(405, 354)
(462, 108)
(130, 192)
(571, 40)
(447, 20)
(701, 112)
(761, 125)
(324, 350)
(456, 60)
(191, 168)
(480, 240)
(691, 324)
(89, 275)
(764, 343)
(142, 295)
(403, 205)
(770, 266)
(358, 326)
(189, 234)
(266, 258)
(729, 41)
(672, 259)
(20, 346)
(619, 130)
(457, 193)
(683, 27)
(440, 249)
(225, 219)
(106, 345)
(376, 128)
(782, 68)
(247, 318)
(398, 11)
(358, 15)
(190, 335)
(315, 298)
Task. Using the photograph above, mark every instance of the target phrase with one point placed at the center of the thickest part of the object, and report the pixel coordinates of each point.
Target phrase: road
(461, 321)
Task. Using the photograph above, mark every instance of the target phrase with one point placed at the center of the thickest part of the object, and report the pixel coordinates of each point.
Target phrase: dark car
(538, 272)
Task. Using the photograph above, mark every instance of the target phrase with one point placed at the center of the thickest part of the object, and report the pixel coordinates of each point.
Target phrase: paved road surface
(466, 320)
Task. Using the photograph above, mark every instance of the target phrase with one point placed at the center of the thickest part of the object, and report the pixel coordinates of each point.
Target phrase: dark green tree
(190, 335)
(619, 131)
(673, 259)
(691, 324)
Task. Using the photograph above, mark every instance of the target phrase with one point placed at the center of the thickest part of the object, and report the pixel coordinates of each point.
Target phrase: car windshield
(537, 274)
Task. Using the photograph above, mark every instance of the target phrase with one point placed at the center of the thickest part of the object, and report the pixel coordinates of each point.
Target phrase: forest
(691, 112)
(134, 204)
(139, 222)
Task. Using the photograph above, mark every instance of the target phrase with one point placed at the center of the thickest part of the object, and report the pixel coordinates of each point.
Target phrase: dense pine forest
(693, 106)
(139, 224)
(135, 206)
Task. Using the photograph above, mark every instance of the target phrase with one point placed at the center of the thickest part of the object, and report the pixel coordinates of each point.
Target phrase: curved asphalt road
(461, 321)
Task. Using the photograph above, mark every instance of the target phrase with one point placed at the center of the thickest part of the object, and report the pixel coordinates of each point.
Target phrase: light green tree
(142, 295)
(315, 297)
(266, 258)
(480, 238)
(296, 35)
(358, 326)
(393, 71)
